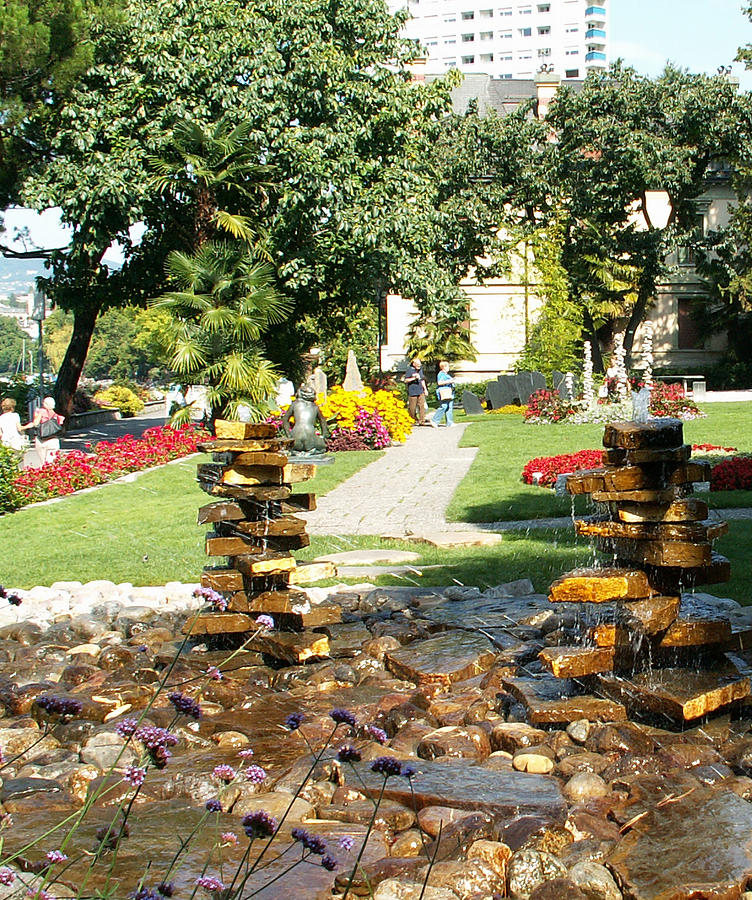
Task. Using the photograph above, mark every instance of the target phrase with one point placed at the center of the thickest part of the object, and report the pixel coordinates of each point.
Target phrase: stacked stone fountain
(655, 649)
(255, 529)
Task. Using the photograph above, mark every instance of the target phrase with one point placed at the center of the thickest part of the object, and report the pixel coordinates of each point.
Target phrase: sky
(699, 35)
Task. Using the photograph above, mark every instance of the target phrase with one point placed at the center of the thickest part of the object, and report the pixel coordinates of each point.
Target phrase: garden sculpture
(305, 414)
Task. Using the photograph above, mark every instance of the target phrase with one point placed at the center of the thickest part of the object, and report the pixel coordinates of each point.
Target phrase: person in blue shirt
(445, 393)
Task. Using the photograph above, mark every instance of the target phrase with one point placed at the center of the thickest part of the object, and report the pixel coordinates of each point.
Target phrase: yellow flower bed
(511, 409)
(344, 405)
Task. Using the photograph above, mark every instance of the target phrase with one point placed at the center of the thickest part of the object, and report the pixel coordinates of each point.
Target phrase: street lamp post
(657, 209)
(37, 315)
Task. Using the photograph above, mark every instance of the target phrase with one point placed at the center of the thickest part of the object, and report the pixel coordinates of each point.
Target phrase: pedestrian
(48, 424)
(416, 390)
(11, 432)
(445, 394)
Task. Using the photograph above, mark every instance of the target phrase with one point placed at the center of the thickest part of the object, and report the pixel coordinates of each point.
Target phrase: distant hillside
(17, 276)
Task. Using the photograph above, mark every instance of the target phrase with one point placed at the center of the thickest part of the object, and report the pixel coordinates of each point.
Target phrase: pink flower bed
(105, 461)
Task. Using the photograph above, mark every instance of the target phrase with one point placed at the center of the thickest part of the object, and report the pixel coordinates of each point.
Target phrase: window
(544, 51)
(544, 7)
(506, 75)
(544, 29)
(525, 10)
(449, 19)
(468, 60)
(450, 40)
(572, 52)
(486, 35)
(503, 35)
(450, 63)
(506, 11)
(689, 335)
(468, 38)
(572, 73)
(507, 57)
(486, 14)
(525, 32)
(467, 16)
(486, 57)
(526, 55)
(685, 255)
(571, 29)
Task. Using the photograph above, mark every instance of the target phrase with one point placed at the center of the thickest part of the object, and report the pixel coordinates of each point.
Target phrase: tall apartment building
(510, 38)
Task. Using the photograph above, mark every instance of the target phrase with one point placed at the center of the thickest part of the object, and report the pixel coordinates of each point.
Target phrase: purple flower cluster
(7, 876)
(346, 843)
(265, 622)
(56, 856)
(255, 774)
(135, 776)
(348, 753)
(377, 734)
(245, 753)
(155, 740)
(13, 599)
(294, 721)
(210, 883)
(224, 773)
(144, 893)
(259, 824)
(214, 673)
(62, 707)
(209, 595)
(185, 704)
(387, 766)
(213, 805)
(343, 717)
(312, 842)
(371, 428)
(166, 888)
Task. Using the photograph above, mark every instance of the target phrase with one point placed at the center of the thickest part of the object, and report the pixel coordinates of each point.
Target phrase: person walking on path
(416, 391)
(11, 431)
(49, 425)
(445, 394)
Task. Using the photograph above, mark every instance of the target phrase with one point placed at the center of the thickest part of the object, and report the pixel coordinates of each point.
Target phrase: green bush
(10, 461)
(120, 397)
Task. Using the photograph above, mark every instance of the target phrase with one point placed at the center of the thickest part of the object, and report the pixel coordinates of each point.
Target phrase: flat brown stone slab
(686, 509)
(243, 431)
(671, 580)
(619, 456)
(251, 458)
(290, 647)
(663, 434)
(551, 701)
(222, 578)
(600, 586)
(453, 538)
(574, 662)
(679, 554)
(230, 445)
(226, 546)
(299, 503)
(699, 623)
(259, 493)
(698, 846)
(650, 616)
(285, 525)
(219, 623)
(665, 495)
(503, 793)
(615, 478)
(705, 531)
(267, 563)
(449, 657)
(308, 572)
(681, 694)
(244, 476)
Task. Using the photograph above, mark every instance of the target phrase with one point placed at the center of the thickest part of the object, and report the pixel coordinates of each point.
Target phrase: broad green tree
(13, 339)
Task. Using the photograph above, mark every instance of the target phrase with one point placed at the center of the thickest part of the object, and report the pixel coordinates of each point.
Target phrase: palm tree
(224, 302)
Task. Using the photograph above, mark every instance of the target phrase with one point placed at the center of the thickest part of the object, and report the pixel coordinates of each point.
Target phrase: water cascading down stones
(256, 529)
(655, 650)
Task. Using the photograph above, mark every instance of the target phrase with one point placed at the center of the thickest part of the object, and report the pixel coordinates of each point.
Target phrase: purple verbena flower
(143, 893)
(210, 883)
(343, 716)
(156, 741)
(7, 876)
(259, 824)
(166, 888)
(293, 721)
(62, 707)
(255, 774)
(134, 775)
(214, 673)
(329, 863)
(56, 856)
(346, 843)
(217, 600)
(348, 753)
(213, 805)
(378, 734)
(311, 842)
(126, 727)
(224, 773)
(386, 765)
(245, 753)
(409, 771)
(265, 622)
(185, 704)
(228, 837)
(39, 894)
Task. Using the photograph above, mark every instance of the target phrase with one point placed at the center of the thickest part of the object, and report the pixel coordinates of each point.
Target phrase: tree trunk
(595, 347)
(636, 317)
(75, 357)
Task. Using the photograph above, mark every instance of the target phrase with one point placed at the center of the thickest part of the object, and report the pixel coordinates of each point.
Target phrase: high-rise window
(468, 60)
(525, 32)
(468, 38)
(466, 16)
(486, 35)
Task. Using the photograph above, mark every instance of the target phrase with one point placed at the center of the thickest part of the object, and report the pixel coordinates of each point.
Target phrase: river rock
(443, 660)
(106, 748)
(408, 843)
(392, 889)
(390, 816)
(585, 786)
(513, 736)
(529, 868)
(537, 760)
(470, 743)
(433, 820)
(275, 803)
(595, 881)
(558, 889)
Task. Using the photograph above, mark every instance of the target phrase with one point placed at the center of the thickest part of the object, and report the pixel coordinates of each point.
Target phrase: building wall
(510, 38)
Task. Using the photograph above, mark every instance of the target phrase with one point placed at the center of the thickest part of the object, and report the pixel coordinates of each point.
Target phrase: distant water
(17, 276)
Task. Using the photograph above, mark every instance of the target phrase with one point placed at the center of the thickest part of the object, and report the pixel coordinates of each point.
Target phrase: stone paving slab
(368, 557)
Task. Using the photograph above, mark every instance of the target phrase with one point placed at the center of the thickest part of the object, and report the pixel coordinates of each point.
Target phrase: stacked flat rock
(255, 530)
(654, 650)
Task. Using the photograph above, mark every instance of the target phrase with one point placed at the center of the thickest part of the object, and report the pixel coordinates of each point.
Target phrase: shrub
(550, 467)
(670, 400)
(343, 439)
(734, 474)
(511, 409)
(120, 397)
(548, 406)
(10, 461)
(344, 406)
(368, 430)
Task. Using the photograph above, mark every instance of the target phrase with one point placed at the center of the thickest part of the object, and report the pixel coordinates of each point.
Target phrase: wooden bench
(692, 384)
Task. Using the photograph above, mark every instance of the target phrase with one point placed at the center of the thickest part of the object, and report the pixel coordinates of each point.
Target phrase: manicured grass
(143, 531)
(493, 489)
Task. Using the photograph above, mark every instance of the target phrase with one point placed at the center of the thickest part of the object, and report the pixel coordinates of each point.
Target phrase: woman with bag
(49, 425)
(445, 393)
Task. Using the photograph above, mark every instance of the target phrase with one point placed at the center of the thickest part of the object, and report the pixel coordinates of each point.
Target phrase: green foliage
(10, 461)
(12, 338)
(122, 398)
(359, 332)
(17, 388)
(443, 332)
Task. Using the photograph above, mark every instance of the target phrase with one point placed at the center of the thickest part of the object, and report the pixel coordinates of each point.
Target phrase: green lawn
(493, 489)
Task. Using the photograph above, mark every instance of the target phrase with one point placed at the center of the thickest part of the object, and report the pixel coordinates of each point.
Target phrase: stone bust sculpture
(304, 415)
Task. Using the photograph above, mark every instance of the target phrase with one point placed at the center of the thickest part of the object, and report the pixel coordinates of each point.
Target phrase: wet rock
(392, 889)
(558, 889)
(534, 833)
(408, 843)
(408, 738)
(275, 803)
(581, 851)
(379, 871)
(106, 748)
(513, 736)
(493, 853)
(452, 656)
(537, 760)
(589, 822)
(595, 881)
(471, 879)
(585, 786)
(530, 868)
(581, 762)
(579, 730)
(391, 816)
(457, 837)
(26, 743)
(433, 820)
(470, 743)
(623, 736)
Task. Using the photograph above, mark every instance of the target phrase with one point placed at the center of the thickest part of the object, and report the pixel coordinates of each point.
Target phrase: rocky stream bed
(553, 798)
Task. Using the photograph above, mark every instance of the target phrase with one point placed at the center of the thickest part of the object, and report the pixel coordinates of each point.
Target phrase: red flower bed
(550, 467)
(105, 461)
(733, 474)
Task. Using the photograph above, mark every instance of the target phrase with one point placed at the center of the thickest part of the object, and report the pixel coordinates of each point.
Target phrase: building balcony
(595, 12)
(595, 33)
(595, 56)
